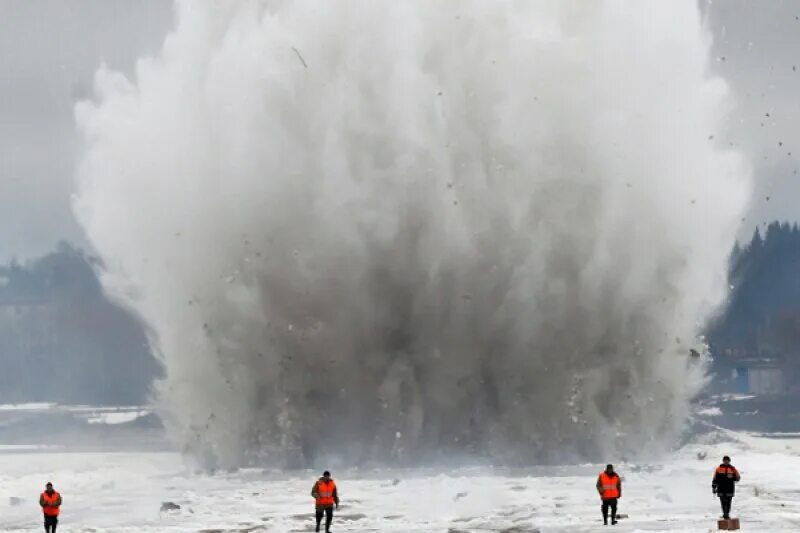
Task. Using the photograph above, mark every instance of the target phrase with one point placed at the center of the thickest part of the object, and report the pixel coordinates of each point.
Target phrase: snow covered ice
(123, 492)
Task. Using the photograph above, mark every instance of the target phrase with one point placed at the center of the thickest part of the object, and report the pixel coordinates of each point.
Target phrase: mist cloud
(408, 231)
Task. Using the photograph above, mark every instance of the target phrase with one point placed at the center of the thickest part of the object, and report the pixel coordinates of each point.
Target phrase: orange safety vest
(325, 492)
(50, 501)
(610, 485)
(728, 471)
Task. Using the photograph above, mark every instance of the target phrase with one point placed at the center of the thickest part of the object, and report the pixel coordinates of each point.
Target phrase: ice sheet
(123, 492)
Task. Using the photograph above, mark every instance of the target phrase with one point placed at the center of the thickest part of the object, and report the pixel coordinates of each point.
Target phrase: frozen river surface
(123, 492)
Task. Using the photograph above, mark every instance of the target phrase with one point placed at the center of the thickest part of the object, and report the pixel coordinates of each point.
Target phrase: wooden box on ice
(729, 524)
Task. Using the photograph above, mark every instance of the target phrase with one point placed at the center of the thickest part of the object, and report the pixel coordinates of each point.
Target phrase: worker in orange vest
(724, 485)
(325, 497)
(609, 485)
(50, 501)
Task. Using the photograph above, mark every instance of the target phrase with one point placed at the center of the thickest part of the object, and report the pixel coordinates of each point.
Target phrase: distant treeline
(62, 340)
(762, 318)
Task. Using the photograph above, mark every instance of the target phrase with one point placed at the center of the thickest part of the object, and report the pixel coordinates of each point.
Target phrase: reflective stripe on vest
(325, 492)
(51, 500)
(610, 485)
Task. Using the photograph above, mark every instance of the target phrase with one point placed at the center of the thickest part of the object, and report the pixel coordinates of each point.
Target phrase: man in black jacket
(724, 484)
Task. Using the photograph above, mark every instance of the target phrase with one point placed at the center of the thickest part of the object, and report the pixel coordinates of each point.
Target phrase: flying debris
(300, 57)
(468, 324)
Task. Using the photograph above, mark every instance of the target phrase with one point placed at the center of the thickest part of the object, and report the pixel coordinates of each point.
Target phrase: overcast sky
(49, 50)
(757, 49)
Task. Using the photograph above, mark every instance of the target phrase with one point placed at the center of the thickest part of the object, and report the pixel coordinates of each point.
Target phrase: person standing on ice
(609, 485)
(50, 501)
(325, 497)
(724, 485)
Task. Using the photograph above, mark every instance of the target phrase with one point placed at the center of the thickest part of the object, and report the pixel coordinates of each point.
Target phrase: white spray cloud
(404, 231)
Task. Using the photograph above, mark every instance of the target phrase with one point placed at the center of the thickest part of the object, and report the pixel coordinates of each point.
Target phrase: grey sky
(757, 48)
(49, 50)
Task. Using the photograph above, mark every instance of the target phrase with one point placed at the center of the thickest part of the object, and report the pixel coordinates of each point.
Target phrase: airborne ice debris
(300, 57)
(381, 266)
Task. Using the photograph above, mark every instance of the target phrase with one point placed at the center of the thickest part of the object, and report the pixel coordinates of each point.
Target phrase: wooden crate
(730, 524)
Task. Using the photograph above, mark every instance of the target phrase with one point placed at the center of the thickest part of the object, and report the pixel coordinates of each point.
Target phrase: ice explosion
(404, 231)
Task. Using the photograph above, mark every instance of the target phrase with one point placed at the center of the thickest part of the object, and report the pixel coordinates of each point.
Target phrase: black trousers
(610, 503)
(328, 512)
(725, 501)
(50, 523)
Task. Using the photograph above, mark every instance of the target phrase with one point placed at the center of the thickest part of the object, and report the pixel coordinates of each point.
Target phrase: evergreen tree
(762, 315)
